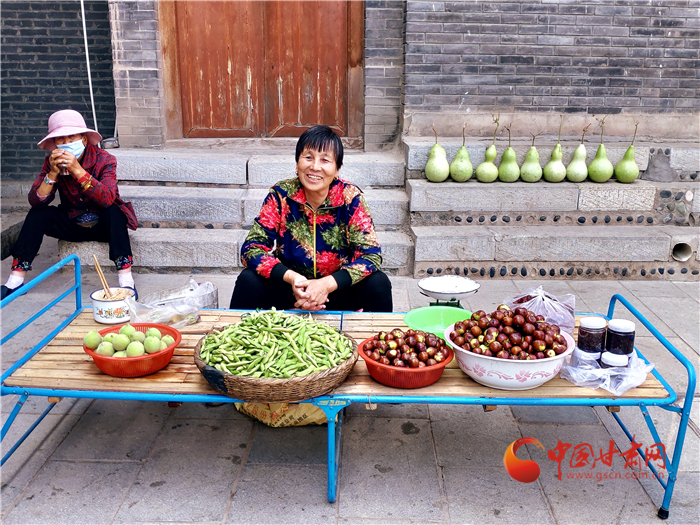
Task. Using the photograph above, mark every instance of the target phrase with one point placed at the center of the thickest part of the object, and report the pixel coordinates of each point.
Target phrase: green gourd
(577, 171)
(487, 170)
(461, 168)
(601, 169)
(508, 171)
(555, 171)
(627, 170)
(531, 171)
(437, 169)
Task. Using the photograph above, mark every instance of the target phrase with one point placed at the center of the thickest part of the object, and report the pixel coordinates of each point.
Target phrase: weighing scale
(448, 290)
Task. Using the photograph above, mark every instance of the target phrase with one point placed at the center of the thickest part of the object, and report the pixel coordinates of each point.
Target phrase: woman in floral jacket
(313, 245)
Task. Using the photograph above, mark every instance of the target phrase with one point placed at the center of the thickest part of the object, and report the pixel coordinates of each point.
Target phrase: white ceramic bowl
(448, 287)
(507, 374)
(110, 312)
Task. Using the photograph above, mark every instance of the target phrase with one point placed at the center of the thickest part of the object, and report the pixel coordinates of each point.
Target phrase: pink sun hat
(67, 122)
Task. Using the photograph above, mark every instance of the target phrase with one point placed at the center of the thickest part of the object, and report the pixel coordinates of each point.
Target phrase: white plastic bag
(583, 370)
(177, 307)
(556, 310)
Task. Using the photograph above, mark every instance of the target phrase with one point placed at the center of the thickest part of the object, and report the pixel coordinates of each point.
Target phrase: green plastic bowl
(435, 319)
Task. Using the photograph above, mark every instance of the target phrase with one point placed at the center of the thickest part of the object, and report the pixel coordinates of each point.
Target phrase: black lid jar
(610, 360)
(620, 337)
(591, 334)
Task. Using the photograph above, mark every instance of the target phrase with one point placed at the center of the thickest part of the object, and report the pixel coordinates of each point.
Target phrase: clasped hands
(311, 294)
(63, 161)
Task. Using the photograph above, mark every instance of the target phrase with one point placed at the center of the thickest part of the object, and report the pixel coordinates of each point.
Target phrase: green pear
(627, 170)
(168, 339)
(121, 353)
(437, 168)
(531, 171)
(105, 349)
(127, 329)
(153, 332)
(163, 345)
(120, 342)
(577, 171)
(555, 171)
(152, 344)
(92, 340)
(109, 337)
(138, 336)
(601, 169)
(508, 171)
(135, 349)
(487, 170)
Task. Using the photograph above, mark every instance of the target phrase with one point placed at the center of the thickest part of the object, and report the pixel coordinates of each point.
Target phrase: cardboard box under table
(60, 368)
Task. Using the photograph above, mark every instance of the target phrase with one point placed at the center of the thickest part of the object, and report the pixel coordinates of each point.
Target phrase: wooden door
(264, 68)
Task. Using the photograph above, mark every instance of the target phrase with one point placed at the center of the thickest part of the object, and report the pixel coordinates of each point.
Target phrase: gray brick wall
(384, 42)
(138, 83)
(587, 56)
(44, 70)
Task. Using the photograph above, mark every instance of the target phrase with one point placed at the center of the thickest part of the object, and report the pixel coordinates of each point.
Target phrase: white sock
(14, 281)
(126, 279)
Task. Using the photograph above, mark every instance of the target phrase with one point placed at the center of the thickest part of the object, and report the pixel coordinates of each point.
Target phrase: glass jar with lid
(620, 337)
(591, 335)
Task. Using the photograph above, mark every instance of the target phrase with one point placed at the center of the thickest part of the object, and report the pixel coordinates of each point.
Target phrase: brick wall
(44, 70)
(384, 42)
(138, 78)
(587, 56)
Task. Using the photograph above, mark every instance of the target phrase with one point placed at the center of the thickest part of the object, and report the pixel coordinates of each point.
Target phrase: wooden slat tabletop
(63, 365)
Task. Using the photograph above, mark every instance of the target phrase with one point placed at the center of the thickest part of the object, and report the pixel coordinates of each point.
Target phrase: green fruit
(120, 342)
(168, 339)
(138, 336)
(627, 170)
(555, 171)
(487, 170)
(461, 168)
(163, 345)
(119, 354)
(127, 329)
(135, 349)
(92, 340)
(601, 169)
(152, 345)
(508, 171)
(153, 332)
(531, 171)
(109, 337)
(437, 169)
(105, 349)
(577, 171)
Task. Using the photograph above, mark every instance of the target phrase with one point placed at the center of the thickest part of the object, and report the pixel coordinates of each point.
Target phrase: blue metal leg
(13, 414)
(332, 408)
(26, 434)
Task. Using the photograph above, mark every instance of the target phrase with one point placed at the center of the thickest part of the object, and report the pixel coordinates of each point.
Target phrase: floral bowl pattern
(109, 312)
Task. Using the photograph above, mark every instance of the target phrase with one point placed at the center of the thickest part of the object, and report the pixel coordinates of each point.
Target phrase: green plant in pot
(555, 171)
(487, 170)
(437, 168)
(508, 171)
(627, 170)
(461, 168)
(531, 171)
(577, 171)
(601, 169)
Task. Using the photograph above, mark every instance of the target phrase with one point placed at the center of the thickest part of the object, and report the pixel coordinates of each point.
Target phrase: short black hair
(321, 138)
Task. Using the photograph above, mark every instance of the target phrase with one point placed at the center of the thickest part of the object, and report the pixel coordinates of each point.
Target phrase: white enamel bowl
(507, 374)
(110, 312)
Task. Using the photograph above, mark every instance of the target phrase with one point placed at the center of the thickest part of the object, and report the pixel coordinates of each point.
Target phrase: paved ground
(133, 462)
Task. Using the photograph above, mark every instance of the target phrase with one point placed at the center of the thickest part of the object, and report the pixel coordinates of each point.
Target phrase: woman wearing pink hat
(85, 177)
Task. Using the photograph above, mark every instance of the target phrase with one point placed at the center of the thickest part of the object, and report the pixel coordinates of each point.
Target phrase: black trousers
(54, 222)
(372, 294)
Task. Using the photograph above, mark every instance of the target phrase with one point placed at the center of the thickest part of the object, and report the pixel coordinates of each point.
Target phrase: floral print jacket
(338, 239)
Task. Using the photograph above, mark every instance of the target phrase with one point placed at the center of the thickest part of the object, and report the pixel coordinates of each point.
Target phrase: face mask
(76, 148)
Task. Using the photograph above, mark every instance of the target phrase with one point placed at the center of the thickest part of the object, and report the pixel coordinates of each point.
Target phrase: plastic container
(434, 319)
(404, 377)
(620, 337)
(610, 360)
(591, 334)
(136, 366)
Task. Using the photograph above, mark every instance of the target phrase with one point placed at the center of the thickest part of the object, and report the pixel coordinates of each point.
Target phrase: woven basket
(264, 390)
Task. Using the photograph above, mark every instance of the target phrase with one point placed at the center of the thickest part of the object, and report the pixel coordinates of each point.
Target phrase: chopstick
(108, 291)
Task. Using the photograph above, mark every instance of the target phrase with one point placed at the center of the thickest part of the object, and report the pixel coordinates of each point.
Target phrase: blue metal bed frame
(333, 405)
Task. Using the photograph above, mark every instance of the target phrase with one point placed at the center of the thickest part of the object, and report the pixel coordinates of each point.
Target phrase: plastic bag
(556, 310)
(284, 414)
(583, 369)
(177, 307)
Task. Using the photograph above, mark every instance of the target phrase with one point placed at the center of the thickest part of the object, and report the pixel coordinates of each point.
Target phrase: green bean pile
(275, 345)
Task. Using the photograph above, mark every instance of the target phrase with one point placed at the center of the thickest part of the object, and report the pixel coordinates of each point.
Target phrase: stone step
(160, 249)
(11, 226)
(236, 207)
(449, 248)
(213, 166)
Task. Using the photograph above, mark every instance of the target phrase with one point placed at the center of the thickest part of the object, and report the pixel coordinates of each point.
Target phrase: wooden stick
(108, 292)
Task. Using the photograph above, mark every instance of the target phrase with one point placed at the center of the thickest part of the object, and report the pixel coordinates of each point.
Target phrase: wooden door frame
(167, 22)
